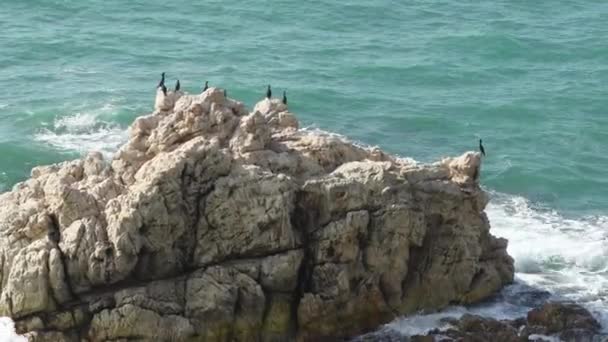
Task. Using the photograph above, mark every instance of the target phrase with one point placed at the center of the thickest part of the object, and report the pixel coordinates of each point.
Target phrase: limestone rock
(213, 223)
(131, 321)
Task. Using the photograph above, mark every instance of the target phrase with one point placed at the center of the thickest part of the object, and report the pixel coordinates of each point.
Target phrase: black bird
(268, 92)
(177, 86)
(225, 94)
(483, 151)
(206, 85)
(162, 86)
(284, 97)
(162, 80)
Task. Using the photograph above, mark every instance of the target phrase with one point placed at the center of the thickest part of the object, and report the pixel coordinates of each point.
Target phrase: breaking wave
(83, 132)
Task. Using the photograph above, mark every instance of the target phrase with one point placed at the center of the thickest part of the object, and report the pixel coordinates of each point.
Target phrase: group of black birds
(269, 94)
(162, 86)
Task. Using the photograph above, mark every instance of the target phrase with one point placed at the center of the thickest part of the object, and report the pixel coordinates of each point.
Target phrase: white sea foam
(7, 331)
(567, 257)
(79, 121)
(84, 132)
(507, 306)
(422, 324)
(544, 338)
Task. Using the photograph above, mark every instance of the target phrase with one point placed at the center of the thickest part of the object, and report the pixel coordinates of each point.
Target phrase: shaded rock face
(566, 322)
(216, 224)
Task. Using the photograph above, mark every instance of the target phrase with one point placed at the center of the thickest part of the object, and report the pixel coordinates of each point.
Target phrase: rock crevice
(215, 224)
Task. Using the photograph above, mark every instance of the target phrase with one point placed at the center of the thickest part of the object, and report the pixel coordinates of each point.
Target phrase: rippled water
(418, 78)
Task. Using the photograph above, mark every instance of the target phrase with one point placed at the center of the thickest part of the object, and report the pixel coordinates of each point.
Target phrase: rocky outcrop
(567, 322)
(216, 224)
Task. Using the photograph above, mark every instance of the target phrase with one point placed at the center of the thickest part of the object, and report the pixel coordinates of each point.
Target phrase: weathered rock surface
(216, 224)
(566, 322)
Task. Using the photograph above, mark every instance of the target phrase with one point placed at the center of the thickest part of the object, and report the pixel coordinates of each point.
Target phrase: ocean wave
(84, 132)
(77, 122)
(79, 70)
(566, 256)
(541, 238)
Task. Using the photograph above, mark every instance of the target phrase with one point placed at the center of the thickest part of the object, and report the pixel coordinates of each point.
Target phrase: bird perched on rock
(481, 149)
(161, 84)
(162, 80)
(225, 94)
(177, 86)
(268, 92)
(206, 85)
(284, 97)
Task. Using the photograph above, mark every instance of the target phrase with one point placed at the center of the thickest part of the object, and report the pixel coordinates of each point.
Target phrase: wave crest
(83, 132)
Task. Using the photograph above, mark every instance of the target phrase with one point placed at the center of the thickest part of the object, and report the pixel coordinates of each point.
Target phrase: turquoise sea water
(422, 79)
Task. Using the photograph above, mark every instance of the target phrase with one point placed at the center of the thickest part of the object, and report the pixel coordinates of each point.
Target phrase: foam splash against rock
(218, 224)
(549, 322)
(7, 331)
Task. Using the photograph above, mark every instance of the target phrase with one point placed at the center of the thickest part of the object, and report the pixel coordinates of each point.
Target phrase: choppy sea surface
(422, 79)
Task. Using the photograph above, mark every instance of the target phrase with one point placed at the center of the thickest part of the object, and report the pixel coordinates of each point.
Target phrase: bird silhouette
(162, 80)
(206, 85)
(483, 151)
(268, 92)
(177, 86)
(284, 97)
